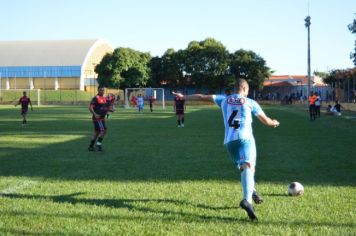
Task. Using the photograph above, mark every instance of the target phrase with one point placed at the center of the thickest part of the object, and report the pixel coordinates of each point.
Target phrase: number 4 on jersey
(234, 122)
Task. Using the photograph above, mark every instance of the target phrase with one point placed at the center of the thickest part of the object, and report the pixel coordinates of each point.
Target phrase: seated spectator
(329, 110)
(337, 108)
(334, 110)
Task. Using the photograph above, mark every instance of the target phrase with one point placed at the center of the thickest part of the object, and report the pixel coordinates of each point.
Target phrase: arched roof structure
(51, 58)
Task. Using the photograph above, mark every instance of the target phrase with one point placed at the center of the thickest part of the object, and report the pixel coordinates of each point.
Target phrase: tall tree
(169, 70)
(207, 63)
(157, 77)
(249, 66)
(352, 28)
(124, 68)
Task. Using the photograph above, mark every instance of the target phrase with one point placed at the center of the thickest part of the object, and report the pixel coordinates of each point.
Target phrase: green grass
(156, 179)
(47, 96)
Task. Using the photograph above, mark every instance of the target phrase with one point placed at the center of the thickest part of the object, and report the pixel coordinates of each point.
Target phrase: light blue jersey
(140, 101)
(237, 112)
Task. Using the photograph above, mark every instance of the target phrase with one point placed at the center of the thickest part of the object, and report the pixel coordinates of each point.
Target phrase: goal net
(12, 96)
(156, 93)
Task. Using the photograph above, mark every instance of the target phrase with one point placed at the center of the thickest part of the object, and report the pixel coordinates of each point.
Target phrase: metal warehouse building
(58, 64)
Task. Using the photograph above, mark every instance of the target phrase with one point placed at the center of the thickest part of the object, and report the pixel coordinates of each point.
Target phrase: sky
(274, 29)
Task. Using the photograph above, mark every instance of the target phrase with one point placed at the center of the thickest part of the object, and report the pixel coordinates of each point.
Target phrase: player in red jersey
(179, 107)
(24, 101)
(110, 100)
(99, 108)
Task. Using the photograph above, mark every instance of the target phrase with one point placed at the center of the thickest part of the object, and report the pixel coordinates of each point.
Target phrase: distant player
(312, 99)
(24, 101)
(99, 108)
(151, 100)
(179, 108)
(140, 102)
(134, 101)
(110, 100)
(317, 104)
(237, 112)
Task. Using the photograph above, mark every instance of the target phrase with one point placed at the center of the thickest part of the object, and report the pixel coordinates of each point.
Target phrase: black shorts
(179, 111)
(312, 108)
(99, 125)
(24, 111)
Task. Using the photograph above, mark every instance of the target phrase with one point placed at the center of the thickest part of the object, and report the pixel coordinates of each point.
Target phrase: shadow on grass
(130, 204)
(164, 215)
(149, 146)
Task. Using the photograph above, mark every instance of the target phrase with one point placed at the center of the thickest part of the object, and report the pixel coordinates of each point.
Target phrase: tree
(249, 66)
(352, 28)
(124, 68)
(167, 69)
(157, 77)
(207, 63)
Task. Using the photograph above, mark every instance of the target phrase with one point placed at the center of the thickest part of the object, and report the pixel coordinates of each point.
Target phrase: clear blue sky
(272, 28)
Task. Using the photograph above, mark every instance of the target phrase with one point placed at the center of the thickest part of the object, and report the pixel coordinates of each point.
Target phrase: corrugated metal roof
(44, 53)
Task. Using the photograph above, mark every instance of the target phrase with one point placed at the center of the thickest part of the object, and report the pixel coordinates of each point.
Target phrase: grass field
(157, 179)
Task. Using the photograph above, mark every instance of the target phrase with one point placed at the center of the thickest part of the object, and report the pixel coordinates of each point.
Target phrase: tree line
(203, 64)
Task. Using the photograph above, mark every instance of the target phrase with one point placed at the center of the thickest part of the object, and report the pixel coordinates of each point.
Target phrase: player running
(237, 112)
(24, 101)
(99, 108)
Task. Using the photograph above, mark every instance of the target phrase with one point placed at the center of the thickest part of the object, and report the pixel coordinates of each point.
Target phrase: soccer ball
(295, 189)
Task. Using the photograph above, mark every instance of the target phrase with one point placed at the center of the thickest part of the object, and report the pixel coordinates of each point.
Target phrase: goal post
(156, 93)
(9, 96)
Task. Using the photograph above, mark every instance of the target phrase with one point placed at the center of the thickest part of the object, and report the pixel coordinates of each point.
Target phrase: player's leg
(94, 137)
(311, 111)
(247, 162)
(23, 118)
(238, 150)
(256, 197)
(314, 112)
(178, 118)
(99, 143)
(23, 114)
(182, 120)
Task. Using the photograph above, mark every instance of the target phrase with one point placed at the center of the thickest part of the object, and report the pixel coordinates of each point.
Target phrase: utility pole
(307, 25)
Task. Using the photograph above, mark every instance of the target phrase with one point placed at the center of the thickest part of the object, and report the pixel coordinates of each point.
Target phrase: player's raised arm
(268, 121)
(195, 97)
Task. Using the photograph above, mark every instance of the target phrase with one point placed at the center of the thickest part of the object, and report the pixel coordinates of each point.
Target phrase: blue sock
(248, 183)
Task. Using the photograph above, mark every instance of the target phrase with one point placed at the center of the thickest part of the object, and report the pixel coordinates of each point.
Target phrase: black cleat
(91, 149)
(244, 204)
(99, 148)
(257, 198)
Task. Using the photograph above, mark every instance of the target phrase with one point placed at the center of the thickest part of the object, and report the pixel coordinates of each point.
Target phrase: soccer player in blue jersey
(237, 112)
(140, 103)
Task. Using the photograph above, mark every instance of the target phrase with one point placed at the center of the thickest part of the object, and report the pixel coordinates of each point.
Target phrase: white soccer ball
(295, 189)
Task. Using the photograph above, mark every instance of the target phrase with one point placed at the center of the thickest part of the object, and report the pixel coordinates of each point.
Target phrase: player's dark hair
(101, 87)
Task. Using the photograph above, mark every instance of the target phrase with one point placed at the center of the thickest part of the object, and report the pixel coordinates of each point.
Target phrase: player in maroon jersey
(179, 107)
(24, 101)
(99, 108)
(110, 100)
